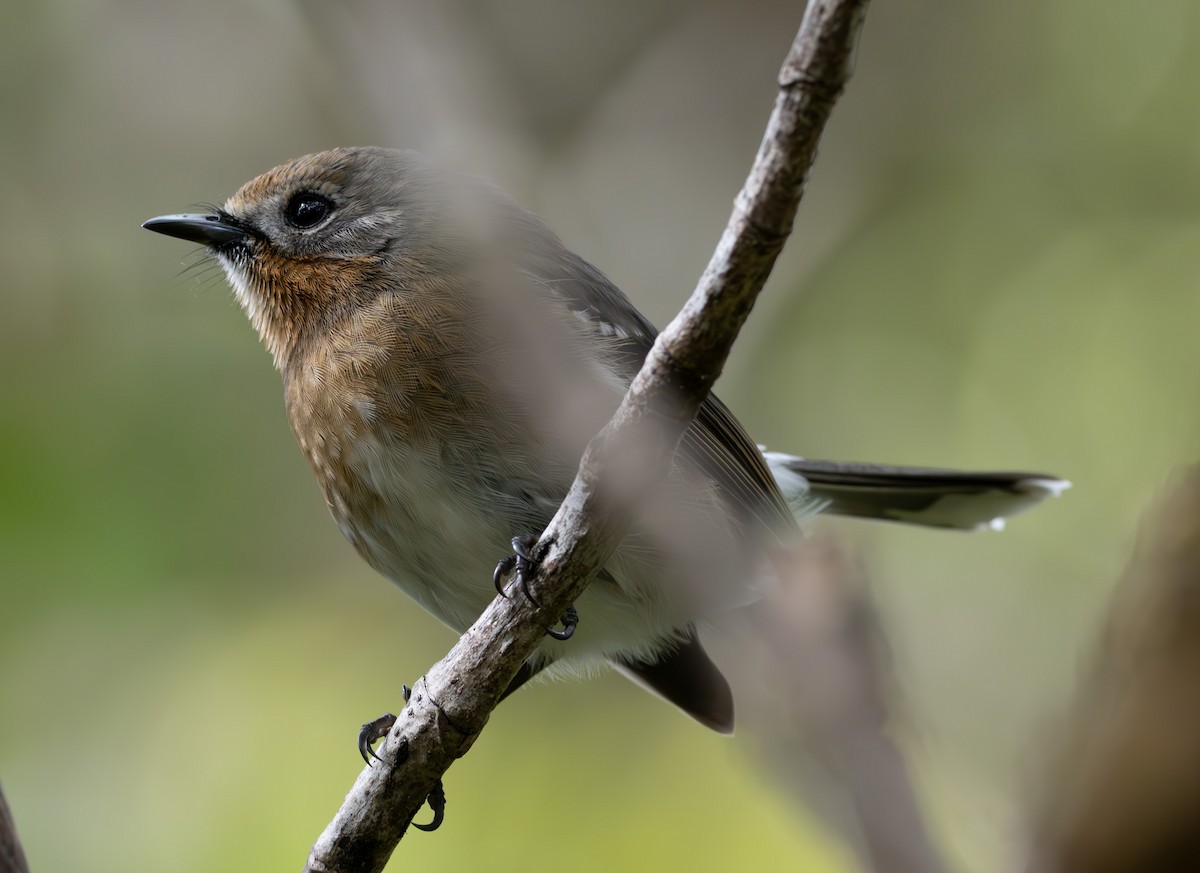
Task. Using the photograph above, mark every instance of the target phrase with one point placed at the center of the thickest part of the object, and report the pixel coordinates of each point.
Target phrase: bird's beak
(210, 230)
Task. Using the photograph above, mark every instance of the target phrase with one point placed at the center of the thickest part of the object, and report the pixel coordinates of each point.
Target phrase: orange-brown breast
(400, 419)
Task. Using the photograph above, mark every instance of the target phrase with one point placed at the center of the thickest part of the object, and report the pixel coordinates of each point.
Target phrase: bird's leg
(524, 564)
(377, 730)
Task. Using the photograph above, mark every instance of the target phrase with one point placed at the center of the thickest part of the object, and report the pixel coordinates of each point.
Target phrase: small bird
(445, 359)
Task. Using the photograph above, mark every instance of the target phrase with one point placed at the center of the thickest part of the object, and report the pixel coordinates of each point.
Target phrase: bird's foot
(377, 730)
(372, 731)
(523, 563)
(570, 621)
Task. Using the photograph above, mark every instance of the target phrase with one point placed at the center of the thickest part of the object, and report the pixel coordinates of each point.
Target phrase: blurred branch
(451, 704)
(12, 858)
(1123, 793)
(820, 707)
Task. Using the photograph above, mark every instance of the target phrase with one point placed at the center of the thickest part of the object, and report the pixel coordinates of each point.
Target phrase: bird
(445, 358)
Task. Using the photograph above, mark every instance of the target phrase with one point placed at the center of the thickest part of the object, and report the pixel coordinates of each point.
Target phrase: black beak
(210, 230)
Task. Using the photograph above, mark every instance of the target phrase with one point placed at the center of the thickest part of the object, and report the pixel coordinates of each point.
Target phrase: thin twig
(451, 704)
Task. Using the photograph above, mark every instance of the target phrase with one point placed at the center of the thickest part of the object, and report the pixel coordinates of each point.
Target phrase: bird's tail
(914, 495)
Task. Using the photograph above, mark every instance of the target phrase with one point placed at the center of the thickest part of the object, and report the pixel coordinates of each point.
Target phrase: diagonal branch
(451, 704)
(819, 706)
(1120, 789)
(12, 858)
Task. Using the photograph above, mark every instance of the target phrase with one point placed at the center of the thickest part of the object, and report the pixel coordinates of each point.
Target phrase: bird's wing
(716, 442)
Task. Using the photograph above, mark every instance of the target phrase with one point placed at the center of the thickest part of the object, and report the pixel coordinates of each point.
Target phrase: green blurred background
(995, 267)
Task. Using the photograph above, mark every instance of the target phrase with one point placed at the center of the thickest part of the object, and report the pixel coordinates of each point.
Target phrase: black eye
(307, 209)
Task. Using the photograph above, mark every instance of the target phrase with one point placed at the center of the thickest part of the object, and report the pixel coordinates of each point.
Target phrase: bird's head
(320, 235)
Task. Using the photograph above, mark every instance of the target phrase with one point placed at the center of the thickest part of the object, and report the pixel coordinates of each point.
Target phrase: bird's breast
(417, 521)
(402, 475)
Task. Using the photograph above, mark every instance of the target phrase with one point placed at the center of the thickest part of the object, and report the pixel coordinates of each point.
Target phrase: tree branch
(817, 668)
(12, 859)
(1121, 789)
(451, 704)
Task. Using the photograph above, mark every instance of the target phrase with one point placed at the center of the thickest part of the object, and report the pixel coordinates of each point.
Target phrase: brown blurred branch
(1123, 795)
(818, 677)
(452, 702)
(12, 858)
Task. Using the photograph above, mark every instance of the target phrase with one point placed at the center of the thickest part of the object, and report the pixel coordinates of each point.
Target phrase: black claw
(522, 562)
(523, 547)
(525, 590)
(570, 621)
(503, 569)
(437, 802)
(526, 563)
(377, 730)
(372, 731)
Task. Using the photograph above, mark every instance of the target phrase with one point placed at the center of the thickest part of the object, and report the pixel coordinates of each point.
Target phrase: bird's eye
(307, 209)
